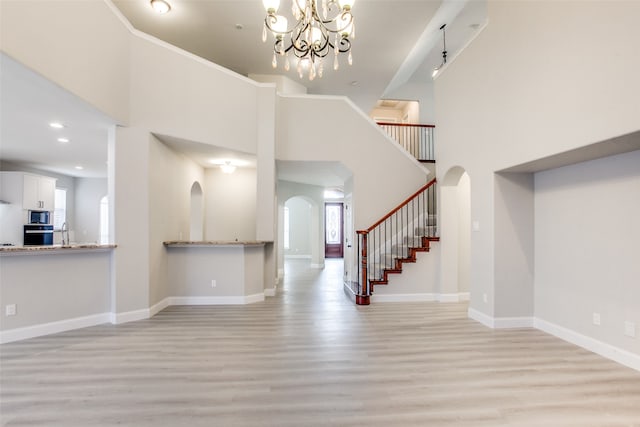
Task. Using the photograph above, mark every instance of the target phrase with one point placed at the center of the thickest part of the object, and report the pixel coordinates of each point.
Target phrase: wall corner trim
(480, 317)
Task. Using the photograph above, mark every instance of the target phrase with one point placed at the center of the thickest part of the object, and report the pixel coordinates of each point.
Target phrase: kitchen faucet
(65, 229)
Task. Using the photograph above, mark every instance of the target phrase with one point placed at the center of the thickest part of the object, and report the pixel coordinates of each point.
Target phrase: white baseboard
(129, 316)
(427, 297)
(157, 308)
(480, 317)
(500, 322)
(252, 299)
(512, 322)
(608, 351)
(230, 300)
(270, 292)
(456, 297)
(53, 327)
(402, 297)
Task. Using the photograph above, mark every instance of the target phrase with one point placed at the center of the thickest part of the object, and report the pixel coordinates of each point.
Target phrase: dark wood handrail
(405, 124)
(384, 218)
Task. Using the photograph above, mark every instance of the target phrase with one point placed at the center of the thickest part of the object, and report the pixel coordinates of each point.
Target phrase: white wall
(50, 288)
(129, 190)
(463, 190)
(362, 147)
(171, 176)
(238, 271)
(299, 227)
(514, 245)
(284, 84)
(89, 193)
(230, 205)
(81, 46)
(586, 250)
(423, 93)
(178, 94)
(517, 95)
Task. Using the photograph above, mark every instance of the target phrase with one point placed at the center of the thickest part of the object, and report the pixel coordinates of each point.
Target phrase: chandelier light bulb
(346, 4)
(160, 6)
(271, 6)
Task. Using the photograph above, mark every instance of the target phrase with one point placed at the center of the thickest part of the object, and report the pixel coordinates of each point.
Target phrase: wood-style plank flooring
(309, 357)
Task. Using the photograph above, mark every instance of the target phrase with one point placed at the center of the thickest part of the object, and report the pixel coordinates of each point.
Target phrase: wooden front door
(333, 230)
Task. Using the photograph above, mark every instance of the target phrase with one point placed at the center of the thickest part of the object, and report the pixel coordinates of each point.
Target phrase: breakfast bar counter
(54, 249)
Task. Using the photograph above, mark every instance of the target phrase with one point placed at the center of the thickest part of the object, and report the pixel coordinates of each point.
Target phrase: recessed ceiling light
(56, 125)
(79, 168)
(160, 6)
(239, 26)
(354, 83)
(63, 140)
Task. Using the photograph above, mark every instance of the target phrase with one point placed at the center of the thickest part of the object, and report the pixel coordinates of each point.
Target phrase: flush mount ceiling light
(56, 125)
(313, 36)
(444, 52)
(227, 167)
(160, 6)
(63, 140)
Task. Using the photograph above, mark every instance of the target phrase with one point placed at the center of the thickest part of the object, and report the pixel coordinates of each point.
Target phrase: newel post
(363, 296)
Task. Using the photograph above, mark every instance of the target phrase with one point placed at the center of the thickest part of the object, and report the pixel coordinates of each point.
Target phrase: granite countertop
(54, 248)
(205, 243)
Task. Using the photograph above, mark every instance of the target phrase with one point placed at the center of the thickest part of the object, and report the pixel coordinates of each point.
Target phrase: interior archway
(455, 233)
(196, 230)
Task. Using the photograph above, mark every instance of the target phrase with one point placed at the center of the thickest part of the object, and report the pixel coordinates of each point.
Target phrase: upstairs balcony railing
(416, 139)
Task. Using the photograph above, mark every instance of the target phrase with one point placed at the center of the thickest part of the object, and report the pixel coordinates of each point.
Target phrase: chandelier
(322, 27)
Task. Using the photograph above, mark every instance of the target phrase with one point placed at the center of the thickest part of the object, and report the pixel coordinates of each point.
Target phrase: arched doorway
(455, 234)
(196, 230)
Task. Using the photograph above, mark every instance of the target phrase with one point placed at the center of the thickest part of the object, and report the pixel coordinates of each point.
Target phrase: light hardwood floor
(309, 357)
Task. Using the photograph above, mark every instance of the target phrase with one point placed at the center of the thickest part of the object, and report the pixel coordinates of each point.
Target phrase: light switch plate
(10, 310)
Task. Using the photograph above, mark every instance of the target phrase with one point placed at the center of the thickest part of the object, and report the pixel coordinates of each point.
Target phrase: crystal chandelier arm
(270, 20)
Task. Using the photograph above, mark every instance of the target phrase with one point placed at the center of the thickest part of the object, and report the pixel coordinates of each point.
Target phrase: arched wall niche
(196, 229)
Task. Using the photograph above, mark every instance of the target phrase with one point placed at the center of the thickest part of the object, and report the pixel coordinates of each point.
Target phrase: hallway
(310, 357)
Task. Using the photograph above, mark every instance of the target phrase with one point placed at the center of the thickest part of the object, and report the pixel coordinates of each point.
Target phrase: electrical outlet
(10, 310)
(484, 298)
(213, 283)
(630, 329)
(596, 319)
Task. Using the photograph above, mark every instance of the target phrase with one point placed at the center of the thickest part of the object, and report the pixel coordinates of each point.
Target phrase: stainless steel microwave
(39, 217)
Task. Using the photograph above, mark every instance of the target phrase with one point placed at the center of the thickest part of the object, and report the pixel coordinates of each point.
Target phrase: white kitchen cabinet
(33, 192)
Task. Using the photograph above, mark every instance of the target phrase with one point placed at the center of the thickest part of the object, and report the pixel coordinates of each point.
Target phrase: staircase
(394, 240)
